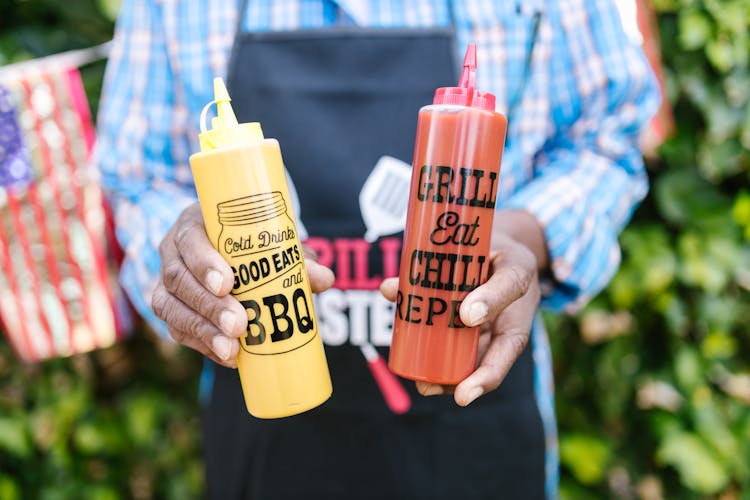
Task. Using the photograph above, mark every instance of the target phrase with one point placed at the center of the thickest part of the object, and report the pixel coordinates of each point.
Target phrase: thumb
(321, 277)
(389, 288)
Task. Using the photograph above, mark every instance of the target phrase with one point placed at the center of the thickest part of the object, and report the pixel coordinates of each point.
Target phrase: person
(339, 83)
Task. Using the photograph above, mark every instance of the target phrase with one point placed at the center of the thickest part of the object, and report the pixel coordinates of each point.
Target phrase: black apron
(337, 100)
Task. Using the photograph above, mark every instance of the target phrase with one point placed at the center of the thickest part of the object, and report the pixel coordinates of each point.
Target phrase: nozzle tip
(470, 58)
(468, 74)
(220, 90)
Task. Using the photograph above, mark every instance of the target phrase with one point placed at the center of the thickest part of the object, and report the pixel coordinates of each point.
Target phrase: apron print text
(354, 311)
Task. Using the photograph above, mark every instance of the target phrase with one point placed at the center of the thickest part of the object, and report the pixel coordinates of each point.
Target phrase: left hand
(504, 307)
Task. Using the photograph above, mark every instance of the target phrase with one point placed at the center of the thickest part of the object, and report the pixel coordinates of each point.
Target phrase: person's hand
(192, 295)
(504, 306)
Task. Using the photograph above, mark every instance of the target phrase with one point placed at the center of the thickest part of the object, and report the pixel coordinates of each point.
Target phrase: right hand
(192, 295)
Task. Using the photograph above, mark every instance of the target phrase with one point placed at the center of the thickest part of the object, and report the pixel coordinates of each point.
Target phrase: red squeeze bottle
(454, 184)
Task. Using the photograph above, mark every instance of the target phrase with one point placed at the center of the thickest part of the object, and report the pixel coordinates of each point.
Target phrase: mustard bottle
(244, 199)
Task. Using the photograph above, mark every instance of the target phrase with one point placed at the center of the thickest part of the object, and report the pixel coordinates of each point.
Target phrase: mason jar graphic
(259, 239)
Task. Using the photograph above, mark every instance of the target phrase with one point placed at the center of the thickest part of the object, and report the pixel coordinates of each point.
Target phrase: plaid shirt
(578, 101)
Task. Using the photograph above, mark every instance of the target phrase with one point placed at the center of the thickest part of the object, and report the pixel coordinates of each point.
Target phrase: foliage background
(653, 378)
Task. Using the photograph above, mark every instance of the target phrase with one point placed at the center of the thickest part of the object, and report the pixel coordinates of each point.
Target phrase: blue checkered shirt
(579, 99)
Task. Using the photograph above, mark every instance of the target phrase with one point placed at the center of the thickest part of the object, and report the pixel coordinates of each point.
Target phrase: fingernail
(477, 313)
(222, 346)
(474, 394)
(213, 281)
(227, 322)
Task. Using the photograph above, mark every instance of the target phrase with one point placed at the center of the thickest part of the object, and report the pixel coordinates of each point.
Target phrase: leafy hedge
(119, 423)
(653, 378)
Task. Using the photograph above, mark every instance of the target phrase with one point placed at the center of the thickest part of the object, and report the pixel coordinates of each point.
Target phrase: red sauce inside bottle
(453, 196)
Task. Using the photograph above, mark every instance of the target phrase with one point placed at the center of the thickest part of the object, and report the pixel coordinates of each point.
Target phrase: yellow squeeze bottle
(244, 198)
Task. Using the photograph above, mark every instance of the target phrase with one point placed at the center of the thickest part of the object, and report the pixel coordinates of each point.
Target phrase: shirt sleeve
(142, 149)
(590, 177)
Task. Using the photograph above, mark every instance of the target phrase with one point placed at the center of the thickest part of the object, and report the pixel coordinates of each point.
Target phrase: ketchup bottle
(454, 184)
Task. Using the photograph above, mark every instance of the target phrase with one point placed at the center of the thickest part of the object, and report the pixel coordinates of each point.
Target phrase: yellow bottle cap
(225, 131)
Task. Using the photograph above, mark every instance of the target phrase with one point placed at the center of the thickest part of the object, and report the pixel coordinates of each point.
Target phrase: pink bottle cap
(465, 94)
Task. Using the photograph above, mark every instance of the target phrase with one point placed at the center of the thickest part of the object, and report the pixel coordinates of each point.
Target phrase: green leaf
(698, 467)
(660, 274)
(720, 313)
(13, 437)
(101, 436)
(712, 427)
(649, 251)
(686, 199)
(724, 120)
(735, 88)
(721, 54)
(675, 314)
(71, 403)
(586, 456)
(688, 369)
(90, 439)
(731, 15)
(717, 345)
(624, 290)
(699, 267)
(9, 489)
(741, 208)
(678, 151)
(109, 8)
(663, 424)
(666, 5)
(141, 417)
(101, 492)
(725, 251)
(572, 491)
(720, 159)
(695, 29)
(745, 136)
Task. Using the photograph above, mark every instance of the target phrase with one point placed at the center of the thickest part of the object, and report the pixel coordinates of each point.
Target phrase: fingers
(428, 389)
(513, 272)
(224, 312)
(510, 334)
(500, 344)
(321, 278)
(191, 329)
(485, 337)
(200, 257)
(309, 253)
(202, 348)
(389, 288)
(192, 295)
(501, 354)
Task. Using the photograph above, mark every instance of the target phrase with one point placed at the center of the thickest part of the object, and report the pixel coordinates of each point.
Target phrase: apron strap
(515, 100)
(240, 17)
